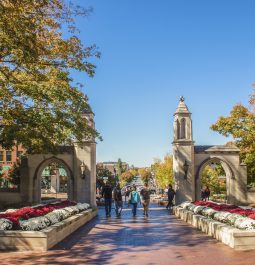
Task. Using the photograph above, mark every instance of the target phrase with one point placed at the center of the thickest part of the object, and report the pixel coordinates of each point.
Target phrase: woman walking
(134, 199)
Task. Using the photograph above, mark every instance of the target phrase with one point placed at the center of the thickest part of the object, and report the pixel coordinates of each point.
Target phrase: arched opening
(183, 129)
(53, 180)
(178, 128)
(215, 174)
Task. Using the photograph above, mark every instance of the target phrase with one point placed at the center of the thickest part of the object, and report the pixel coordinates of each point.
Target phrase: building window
(1, 156)
(8, 156)
(178, 129)
(183, 129)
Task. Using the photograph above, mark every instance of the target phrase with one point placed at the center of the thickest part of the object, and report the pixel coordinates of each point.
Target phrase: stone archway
(227, 169)
(189, 161)
(38, 176)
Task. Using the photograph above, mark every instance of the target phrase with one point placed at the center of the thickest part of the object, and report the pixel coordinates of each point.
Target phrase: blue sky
(154, 51)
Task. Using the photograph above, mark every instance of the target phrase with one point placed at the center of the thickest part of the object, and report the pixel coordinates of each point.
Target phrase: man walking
(145, 194)
(117, 196)
(107, 195)
(170, 194)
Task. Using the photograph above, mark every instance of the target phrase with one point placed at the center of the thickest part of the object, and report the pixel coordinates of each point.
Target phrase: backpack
(134, 197)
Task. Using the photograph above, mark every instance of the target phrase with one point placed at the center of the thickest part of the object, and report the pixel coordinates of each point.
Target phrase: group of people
(205, 193)
(134, 198)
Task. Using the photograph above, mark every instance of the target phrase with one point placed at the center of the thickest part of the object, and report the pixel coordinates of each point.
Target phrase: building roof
(215, 148)
(182, 107)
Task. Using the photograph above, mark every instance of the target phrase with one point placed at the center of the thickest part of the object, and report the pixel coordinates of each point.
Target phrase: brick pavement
(159, 239)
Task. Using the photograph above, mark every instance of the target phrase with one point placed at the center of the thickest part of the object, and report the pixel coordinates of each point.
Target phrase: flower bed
(40, 217)
(243, 219)
(229, 224)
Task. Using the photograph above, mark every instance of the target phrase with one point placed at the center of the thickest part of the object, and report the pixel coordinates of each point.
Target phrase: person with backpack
(134, 199)
(117, 196)
(107, 195)
(170, 195)
(145, 194)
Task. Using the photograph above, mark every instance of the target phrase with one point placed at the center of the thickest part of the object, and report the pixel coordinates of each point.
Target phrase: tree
(101, 173)
(126, 177)
(145, 174)
(120, 169)
(163, 171)
(240, 124)
(210, 178)
(40, 106)
(252, 99)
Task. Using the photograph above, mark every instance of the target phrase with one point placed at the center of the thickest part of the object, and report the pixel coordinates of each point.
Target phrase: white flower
(35, 224)
(232, 218)
(191, 207)
(198, 209)
(53, 217)
(184, 205)
(209, 212)
(222, 216)
(5, 224)
(245, 223)
(82, 206)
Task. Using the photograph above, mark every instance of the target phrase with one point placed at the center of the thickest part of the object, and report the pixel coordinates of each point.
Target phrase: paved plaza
(159, 239)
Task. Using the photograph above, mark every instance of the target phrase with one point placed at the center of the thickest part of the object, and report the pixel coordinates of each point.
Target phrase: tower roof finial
(182, 98)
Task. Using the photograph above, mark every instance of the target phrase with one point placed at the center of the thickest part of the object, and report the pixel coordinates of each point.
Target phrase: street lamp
(83, 170)
(185, 168)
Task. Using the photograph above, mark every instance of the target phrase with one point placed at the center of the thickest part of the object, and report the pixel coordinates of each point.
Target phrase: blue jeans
(118, 207)
(108, 206)
(134, 208)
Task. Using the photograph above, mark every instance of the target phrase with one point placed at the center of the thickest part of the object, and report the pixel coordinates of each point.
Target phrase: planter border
(46, 238)
(231, 236)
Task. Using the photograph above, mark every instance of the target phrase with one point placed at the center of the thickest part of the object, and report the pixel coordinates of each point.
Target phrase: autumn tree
(240, 124)
(163, 171)
(40, 105)
(212, 177)
(126, 177)
(145, 174)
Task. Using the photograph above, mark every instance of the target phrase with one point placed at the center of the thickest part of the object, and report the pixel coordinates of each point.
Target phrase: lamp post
(54, 172)
(83, 169)
(185, 168)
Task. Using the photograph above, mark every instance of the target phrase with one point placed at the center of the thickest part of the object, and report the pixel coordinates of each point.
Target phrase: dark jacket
(170, 194)
(107, 192)
(117, 194)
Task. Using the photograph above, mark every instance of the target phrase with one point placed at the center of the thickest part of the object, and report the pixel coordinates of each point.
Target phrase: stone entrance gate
(190, 160)
(81, 185)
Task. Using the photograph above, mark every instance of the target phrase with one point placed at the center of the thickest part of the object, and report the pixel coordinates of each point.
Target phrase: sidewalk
(159, 239)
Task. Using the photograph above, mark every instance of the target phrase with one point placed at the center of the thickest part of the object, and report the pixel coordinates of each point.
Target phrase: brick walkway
(159, 239)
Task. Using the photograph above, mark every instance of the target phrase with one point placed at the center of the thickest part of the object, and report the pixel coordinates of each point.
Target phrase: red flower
(227, 208)
(29, 212)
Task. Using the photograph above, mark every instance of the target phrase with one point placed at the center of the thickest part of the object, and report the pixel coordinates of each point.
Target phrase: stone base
(44, 239)
(233, 237)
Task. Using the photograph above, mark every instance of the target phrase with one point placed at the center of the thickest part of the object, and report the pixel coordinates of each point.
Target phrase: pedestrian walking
(207, 193)
(134, 199)
(117, 196)
(127, 194)
(170, 195)
(145, 196)
(203, 194)
(107, 195)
